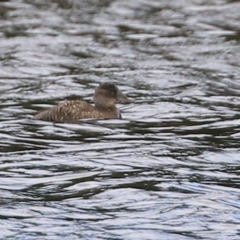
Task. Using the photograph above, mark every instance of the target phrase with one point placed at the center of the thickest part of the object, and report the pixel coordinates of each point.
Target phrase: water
(169, 169)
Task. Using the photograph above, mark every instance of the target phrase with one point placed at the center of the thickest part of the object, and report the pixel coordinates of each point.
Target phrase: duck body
(72, 111)
(105, 97)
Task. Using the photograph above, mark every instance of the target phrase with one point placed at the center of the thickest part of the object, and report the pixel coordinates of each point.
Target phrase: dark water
(170, 169)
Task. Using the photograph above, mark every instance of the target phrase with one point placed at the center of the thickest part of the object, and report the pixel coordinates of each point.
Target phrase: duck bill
(121, 98)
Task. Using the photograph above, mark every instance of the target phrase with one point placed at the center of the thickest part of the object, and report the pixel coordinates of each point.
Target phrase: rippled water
(170, 169)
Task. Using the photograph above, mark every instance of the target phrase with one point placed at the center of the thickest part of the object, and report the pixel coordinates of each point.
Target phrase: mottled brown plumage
(105, 97)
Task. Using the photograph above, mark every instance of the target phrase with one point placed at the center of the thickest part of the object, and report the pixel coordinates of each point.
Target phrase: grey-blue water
(170, 169)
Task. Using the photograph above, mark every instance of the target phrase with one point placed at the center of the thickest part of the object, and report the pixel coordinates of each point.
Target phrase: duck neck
(104, 107)
(103, 104)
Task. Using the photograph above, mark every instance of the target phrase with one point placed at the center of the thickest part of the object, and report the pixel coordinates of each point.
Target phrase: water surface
(169, 169)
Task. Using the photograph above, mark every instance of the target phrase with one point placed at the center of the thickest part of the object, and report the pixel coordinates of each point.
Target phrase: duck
(105, 97)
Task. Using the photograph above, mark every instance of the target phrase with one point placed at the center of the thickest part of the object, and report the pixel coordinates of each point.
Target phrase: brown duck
(105, 97)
